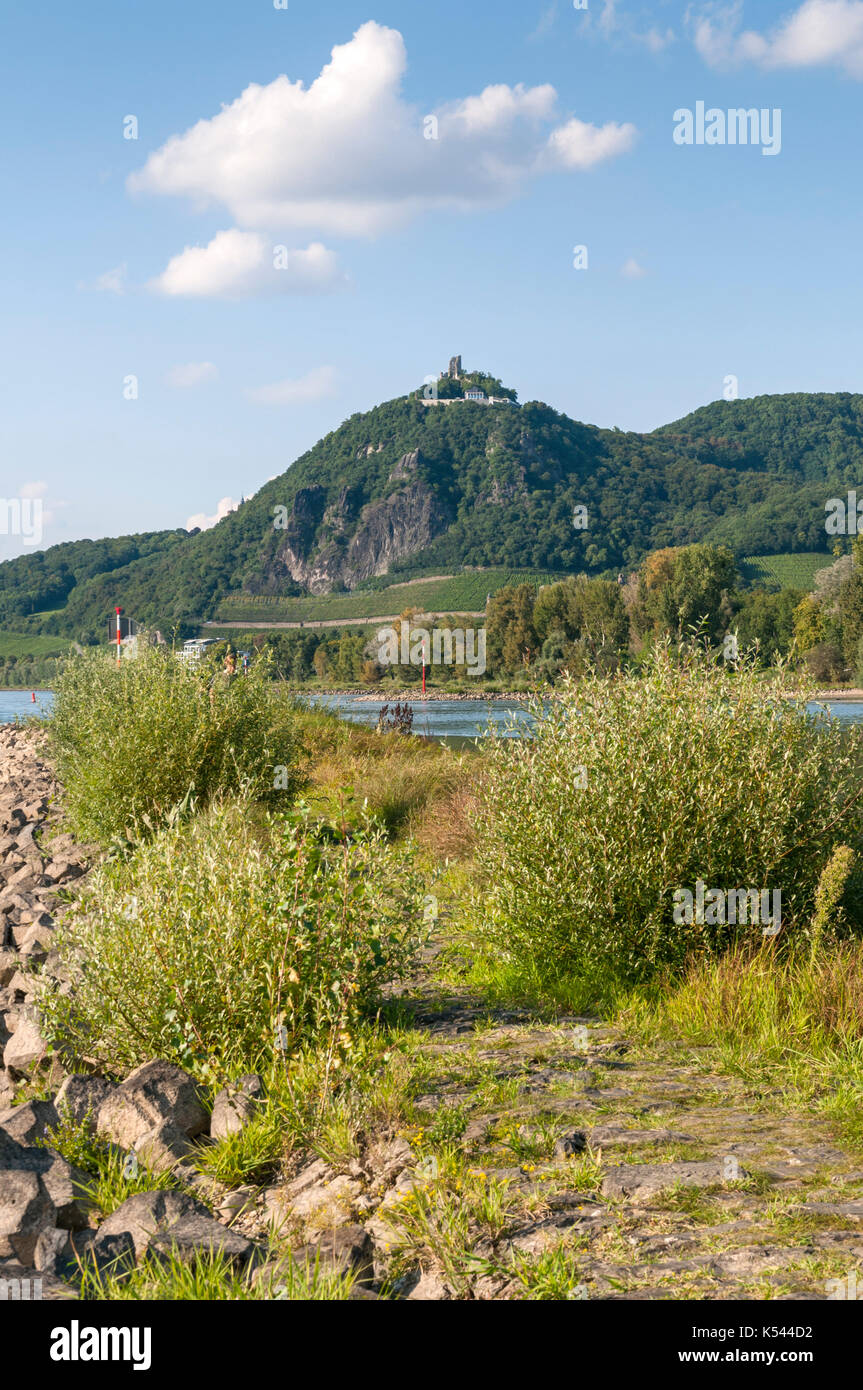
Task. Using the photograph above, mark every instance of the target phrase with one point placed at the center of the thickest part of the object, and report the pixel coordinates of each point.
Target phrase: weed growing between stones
(213, 1276)
(552, 1275)
(111, 1178)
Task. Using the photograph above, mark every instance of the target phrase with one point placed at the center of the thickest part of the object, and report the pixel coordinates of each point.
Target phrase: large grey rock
(617, 1137)
(60, 869)
(151, 1214)
(387, 1159)
(640, 1181)
(163, 1148)
(80, 1098)
(34, 943)
(345, 1250)
(852, 1210)
(25, 1211)
(25, 1046)
(69, 1254)
(24, 880)
(430, 1288)
(37, 1189)
(234, 1108)
(153, 1093)
(193, 1235)
(27, 1123)
(315, 1196)
(7, 1085)
(66, 1186)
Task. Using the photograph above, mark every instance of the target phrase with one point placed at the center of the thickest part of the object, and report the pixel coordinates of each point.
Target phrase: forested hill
(405, 486)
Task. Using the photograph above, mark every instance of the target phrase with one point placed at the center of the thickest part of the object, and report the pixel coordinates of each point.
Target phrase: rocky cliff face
(345, 542)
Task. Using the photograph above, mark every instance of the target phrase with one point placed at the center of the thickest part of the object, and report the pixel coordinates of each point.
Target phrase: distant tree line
(677, 592)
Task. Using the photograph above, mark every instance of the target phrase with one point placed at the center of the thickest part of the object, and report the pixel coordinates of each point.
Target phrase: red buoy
(33, 696)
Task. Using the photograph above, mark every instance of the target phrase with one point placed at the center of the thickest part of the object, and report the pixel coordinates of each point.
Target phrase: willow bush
(640, 785)
(134, 741)
(230, 940)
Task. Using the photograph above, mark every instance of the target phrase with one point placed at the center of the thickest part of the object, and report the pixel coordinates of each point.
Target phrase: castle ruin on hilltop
(454, 372)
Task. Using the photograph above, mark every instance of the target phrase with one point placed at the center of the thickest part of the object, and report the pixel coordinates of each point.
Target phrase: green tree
(510, 634)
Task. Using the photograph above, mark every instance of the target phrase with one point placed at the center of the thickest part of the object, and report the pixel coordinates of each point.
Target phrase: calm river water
(434, 718)
(471, 718)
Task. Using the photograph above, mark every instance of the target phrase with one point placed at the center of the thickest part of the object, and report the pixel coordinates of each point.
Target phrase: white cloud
(204, 522)
(39, 489)
(237, 265)
(613, 25)
(654, 40)
(112, 281)
(188, 374)
(546, 21)
(631, 270)
(347, 155)
(314, 386)
(580, 146)
(497, 108)
(819, 33)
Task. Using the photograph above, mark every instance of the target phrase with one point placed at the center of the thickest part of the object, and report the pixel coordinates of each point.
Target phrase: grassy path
(572, 1163)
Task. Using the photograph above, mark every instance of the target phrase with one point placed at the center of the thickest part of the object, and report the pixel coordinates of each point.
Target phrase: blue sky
(704, 261)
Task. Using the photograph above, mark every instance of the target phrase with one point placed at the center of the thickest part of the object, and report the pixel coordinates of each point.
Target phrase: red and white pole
(118, 611)
(424, 668)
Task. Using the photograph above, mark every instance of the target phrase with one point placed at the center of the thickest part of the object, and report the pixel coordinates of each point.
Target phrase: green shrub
(639, 786)
(135, 740)
(228, 941)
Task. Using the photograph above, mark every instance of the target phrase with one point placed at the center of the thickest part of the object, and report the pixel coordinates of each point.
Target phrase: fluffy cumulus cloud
(242, 265)
(203, 522)
(188, 374)
(349, 156)
(820, 33)
(314, 386)
(577, 145)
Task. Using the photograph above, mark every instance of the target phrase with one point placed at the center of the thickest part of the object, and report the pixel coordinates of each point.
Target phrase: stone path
(643, 1171)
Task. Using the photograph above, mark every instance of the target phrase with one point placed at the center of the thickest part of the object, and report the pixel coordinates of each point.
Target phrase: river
(471, 718)
(450, 719)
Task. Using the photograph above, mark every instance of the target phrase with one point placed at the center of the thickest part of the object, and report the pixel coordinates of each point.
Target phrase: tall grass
(133, 741)
(792, 1020)
(405, 784)
(228, 942)
(639, 786)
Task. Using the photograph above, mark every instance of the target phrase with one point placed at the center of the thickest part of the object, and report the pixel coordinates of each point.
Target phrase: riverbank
(411, 694)
(379, 692)
(472, 1148)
